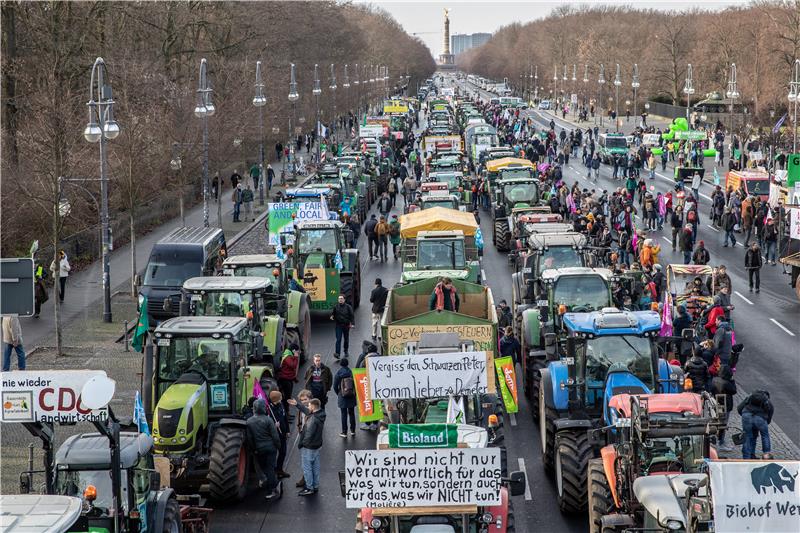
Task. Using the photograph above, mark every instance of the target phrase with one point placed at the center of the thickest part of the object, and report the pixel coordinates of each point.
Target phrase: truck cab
(610, 145)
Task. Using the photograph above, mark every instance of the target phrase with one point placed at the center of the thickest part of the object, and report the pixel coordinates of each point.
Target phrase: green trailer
(408, 316)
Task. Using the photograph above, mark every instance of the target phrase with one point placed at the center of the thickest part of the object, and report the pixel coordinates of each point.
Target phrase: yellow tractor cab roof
(437, 219)
(497, 164)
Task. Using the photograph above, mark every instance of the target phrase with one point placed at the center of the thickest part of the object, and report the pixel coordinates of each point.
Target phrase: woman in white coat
(61, 273)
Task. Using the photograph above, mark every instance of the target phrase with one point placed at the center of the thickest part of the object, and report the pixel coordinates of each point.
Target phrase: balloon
(657, 151)
(709, 152)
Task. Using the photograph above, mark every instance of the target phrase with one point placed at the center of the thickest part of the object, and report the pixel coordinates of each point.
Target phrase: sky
(426, 18)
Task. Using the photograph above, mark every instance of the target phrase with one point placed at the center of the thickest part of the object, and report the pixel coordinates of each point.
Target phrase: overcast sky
(474, 16)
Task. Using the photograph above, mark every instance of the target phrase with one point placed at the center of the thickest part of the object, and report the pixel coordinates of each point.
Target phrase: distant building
(461, 42)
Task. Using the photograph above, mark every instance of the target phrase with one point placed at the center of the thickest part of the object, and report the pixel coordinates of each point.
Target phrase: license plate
(163, 342)
(623, 422)
(541, 303)
(526, 270)
(569, 360)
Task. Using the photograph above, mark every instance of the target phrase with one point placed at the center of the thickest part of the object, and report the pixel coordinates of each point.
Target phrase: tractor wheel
(305, 334)
(600, 501)
(357, 287)
(547, 432)
(229, 466)
(502, 235)
(534, 366)
(573, 452)
(346, 288)
(172, 517)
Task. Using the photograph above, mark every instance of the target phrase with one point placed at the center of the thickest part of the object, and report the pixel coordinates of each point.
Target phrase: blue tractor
(605, 353)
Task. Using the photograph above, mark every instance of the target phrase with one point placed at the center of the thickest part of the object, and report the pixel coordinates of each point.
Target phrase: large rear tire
(229, 467)
(547, 432)
(573, 452)
(502, 238)
(535, 364)
(172, 517)
(600, 501)
(346, 288)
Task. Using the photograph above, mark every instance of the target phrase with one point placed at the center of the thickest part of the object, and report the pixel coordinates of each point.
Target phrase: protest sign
(405, 377)
(508, 383)
(368, 410)
(282, 216)
(423, 435)
(48, 396)
(755, 495)
(422, 478)
(483, 335)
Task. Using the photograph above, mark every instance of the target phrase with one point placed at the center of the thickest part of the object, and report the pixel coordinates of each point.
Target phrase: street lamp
(585, 81)
(794, 96)
(102, 126)
(574, 79)
(555, 82)
(732, 94)
(688, 88)
(332, 87)
(601, 81)
(617, 83)
(293, 97)
(563, 84)
(536, 83)
(259, 101)
(317, 91)
(635, 87)
(203, 110)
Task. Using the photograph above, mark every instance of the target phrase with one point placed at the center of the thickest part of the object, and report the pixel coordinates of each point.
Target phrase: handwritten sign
(422, 478)
(405, 377)
(481, 334)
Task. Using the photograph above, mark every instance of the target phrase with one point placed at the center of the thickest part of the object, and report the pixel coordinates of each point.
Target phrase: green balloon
(709, 152)
(679, 123)
(657, 151)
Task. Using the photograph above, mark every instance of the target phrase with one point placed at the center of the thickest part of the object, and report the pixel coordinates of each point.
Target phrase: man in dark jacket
(504, 316)
(343, 316)
(756, 411)
(319, 379)
(697, 370)
(279, 415)
(378, 300)
(701, 255)
(723, 384)
(509, 345)
(344, 387)
(372, 236)
(753, 263)
(263, 440)
(310, 443)
(686, 244)
(722, 340)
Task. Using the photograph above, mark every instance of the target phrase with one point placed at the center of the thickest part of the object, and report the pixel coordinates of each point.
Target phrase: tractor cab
(495, 166)
(513, 193)
(268, 266)
(440, 199)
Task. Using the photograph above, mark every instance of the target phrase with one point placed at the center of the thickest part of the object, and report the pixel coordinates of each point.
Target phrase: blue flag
(778, 124)
(139, 416)
(479, 239)
(337, 261)
(279, 252)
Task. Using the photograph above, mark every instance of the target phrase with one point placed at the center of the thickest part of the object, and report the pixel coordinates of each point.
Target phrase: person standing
(753, 263)
(378, 300)
(255, 175)
(62, 272)
(12, 339)
(686, 244)
(247, 200)
(287, 371)
(444, 297)
(345, 388)
(236, 198)
(770, 239)
(40, 289)
(263, 440)
(318, 380)
(676, 220)
(696, 181)
(724, 384)
(344, 317)
(728, 224)
(270, 176)
(278, 410)
(236, 178)
(384, 204)
(393, 189)
(756, 411)
(372, 237)
(310, 443)
(382, 231)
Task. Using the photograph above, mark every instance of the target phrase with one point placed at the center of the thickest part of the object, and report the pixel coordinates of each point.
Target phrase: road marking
(483, 277)
(781, 326)
(521, 462)
(712, 227)
(743, 298)
(513, 418)
(666, 239)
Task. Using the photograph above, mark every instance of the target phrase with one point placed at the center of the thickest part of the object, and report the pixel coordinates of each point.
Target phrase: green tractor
(198, 375)
(279, 299)
(340, 187)
(320, 260)
(511, 193)
(353, 166)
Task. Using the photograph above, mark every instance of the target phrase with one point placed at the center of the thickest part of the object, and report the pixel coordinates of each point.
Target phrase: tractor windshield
(633, 352)
(74, 482)
(676, 454)
(522, 172)
(581, 294)
(438, 255)
(318, 240)
(222, 304)
(521, 192)
(560, 257)
(448, 203)
(205, 355)
(255, 271)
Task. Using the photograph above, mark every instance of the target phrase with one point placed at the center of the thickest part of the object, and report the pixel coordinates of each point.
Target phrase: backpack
(348, 388)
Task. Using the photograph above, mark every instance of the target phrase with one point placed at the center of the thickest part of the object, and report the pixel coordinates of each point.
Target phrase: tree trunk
(133, 253)
(180, 202)
(10, 81)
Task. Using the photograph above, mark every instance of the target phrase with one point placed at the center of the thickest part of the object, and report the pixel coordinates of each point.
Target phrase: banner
(47, 396)
(482, 335)
(755, 495)
(508, 383)
(314, 284)
(283, 214)
(395, 107)
(405, 377)
(368, 411)
(422, 478)
(794, 223)
(370, 131)
(423, 435)
(691, 135)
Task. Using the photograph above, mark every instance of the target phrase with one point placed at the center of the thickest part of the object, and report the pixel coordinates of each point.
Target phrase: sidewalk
(626, 127)
(84, 292)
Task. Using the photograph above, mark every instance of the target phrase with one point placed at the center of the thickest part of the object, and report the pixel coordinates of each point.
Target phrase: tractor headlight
(674, 525)
(487, 518)
(182, 439)
(375, 523)
(182, 431)
(141, 301)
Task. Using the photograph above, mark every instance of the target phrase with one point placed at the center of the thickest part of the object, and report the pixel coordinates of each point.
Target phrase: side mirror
(184, 307)
(25, 483)
(167, 305)
(137, 280)
(551, 346)
(342, 483)
(155, 481)
(516, 483)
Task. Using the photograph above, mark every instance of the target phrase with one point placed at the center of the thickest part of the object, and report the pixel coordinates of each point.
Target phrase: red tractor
(652, 434)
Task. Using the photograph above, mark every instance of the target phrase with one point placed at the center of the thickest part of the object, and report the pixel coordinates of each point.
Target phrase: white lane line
(483, 277)
(781, 326)
(521, 463)
(666, 239)
(740, 295)
(513, 418)
(712, 227)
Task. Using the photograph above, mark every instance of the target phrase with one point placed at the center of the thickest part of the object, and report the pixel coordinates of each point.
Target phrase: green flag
(142, 325)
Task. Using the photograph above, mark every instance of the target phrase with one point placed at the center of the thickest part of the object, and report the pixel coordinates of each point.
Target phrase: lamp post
(794, 96)
(102, 126)
(555, 83)
(334, 118)
(635, 87)
(293, 97)
(732, 94)
(585, 81)
(563, 85)
(203, 110)
(536, 83)
(358, 92)
(688, 89)
(617, 83)
(574, 79)
(346, 86)
(259, 101)
(317, 91)
(601, 81)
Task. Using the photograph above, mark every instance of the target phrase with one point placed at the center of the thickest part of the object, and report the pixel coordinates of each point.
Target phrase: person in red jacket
(287, 373)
